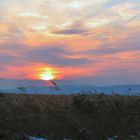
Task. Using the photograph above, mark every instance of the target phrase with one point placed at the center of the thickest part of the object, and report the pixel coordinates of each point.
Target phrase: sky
(92, 41)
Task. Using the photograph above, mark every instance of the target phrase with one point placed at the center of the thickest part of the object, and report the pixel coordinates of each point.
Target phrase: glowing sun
(47, 74)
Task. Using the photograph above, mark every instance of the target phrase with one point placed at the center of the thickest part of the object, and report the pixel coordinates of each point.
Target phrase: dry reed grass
(77, 117)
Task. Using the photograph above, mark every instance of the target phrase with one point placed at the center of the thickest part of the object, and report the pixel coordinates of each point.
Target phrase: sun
(47, 74)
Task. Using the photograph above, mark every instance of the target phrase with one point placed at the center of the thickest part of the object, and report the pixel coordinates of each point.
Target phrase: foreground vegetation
(76, 117)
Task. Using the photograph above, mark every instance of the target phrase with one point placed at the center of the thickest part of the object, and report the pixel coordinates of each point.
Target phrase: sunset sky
(94, 41)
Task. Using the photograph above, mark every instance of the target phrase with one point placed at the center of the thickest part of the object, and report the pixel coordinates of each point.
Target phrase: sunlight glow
(47, 74)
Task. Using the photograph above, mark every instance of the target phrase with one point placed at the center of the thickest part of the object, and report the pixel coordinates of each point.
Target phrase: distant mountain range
(69, 89)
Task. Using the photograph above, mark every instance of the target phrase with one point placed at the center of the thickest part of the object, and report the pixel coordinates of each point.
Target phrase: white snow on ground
(34, 138)
(110, 139)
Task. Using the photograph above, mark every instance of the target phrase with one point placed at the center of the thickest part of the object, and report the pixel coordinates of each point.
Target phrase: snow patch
(34, 138)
